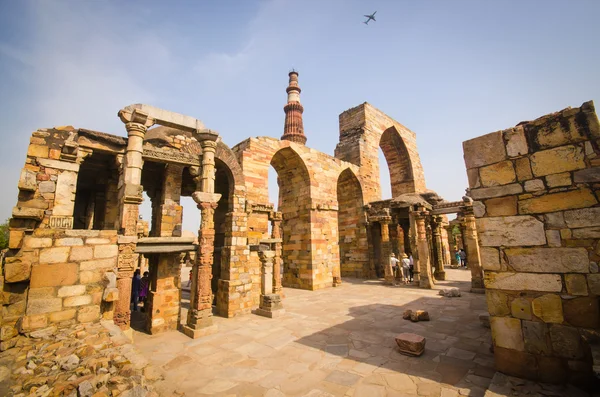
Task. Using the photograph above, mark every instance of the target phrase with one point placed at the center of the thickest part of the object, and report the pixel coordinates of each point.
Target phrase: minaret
(294, 128)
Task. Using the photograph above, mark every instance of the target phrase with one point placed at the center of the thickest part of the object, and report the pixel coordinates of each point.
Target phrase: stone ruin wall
(537, 190)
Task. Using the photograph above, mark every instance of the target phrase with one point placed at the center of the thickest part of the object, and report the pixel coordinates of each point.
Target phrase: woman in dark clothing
(135, 289)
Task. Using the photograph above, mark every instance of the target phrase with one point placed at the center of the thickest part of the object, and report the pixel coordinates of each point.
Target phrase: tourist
(394, 262)
(190, 280)
(135, 289)
(406, 268)
(411, 268)
(144, 288)
(463, 257)
(458, 260)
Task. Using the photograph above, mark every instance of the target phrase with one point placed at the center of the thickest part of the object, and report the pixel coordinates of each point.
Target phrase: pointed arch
(399, 162)
(294, 204)
(354, 259)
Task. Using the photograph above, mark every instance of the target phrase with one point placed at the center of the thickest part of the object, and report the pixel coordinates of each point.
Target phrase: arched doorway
(398, 160)
(354, 255)
(294, 204)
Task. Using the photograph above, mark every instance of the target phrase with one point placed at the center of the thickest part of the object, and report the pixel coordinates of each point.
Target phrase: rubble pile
(84, 360)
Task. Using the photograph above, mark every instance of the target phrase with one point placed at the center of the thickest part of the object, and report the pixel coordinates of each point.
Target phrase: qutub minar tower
(294, 127)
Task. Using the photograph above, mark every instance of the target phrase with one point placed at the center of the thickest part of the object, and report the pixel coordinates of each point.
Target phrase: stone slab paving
(338, 341)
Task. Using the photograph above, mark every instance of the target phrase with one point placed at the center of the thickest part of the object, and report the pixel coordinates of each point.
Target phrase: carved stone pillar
(270, 303)
(472, 251)
(436, 226)
(372, 273)
(400, 239)
(425, 277)
(208, 166)
(276, 218)
(386, 249)
(130, 196)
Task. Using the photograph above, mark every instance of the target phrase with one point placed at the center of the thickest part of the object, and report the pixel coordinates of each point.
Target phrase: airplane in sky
(370, 17)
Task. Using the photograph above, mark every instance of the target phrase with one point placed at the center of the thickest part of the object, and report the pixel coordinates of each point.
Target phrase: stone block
(34, 321)
(510, 231)
(88, 314)
(39, 306)
(98, 264)
(110, 295)
(53, 275)
(7, 332)
(47, 187)
(521, 308)
(497, 303)
(490, 259)
(534, 185)
(473, 177)
(555, 220)
(582, 312)
(64, 315)
(105, 251)
(37, 242)
(594, 283)
(68, 242)
(81, 300)
(552, 369)
(557, 160)
(548, 308)
(89, 277)
(589, 175)
(81, 254)
(561, 201)
(28, 213)
(64, 199)
(585, 217)
(17, 270)
(506, 333)
(71, 290)
(15, 239)
(42, 293)
(576, 284)
(553, 237)
(97, 241)
(411, 344)
(484, 150)
(501, 173)
(27, 180)
(496, 191)
(502, 206)
(523, 169)
(38, 151)
(516, 144)
(523, 281)
(548, 260)
(54, 255)
(566, 341)
(450, 292)
(537, 338)
(586, 233)
(556, 180)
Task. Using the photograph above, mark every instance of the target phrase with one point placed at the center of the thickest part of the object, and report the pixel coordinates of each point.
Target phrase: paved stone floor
(338, 341)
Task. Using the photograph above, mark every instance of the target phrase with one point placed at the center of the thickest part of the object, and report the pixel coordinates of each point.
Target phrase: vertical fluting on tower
(293, 129)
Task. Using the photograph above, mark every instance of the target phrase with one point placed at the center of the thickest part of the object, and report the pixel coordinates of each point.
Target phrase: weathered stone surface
(516, 363)
(64, 199)
(39, 306)
(582, 312)
(497, 302)
(510, 231)
(98, 264)
(558, 160)
(68, 242)
(53, 275)
(581, 198)
(555, 220)
(47, 187)
(496, 191)
(585, 217)
(553, 238)
(501, 173)
(490, 259)
(473, 177)
(450, 292)
(110, 295)
(521, 308)
(556, 180)
(536, 337)
(27, 180)
(548, 260)
(484, 150)
(37, 242)
(523, 169)
(54, 255)
(548, 308)
(589, 175)
(28, 213)
(576, 284)
(77, 300)
(71, 290)
(594, 283)
(566, 341)
(506, 333)
(502, 206)
(88, 313)
(17, 271)
(411, 344)
(586, 233)
(534, 185)
(81, 254)
(106, 251)
(516, 144)
(57, 317)
(523, 281)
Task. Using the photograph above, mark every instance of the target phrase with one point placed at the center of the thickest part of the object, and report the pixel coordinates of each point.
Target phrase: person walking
(412, 268)
(457, 256)
(463, 257)
(135, 289)
(395, 270)
(406, 268)
(144, 289)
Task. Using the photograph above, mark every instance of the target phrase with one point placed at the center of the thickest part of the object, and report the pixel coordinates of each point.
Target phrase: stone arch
(399, 162)
(354, 258)
(295, 205)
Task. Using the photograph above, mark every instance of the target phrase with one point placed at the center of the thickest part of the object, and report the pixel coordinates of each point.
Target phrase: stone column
(386, 249)
(472, 250)
(270, 303)
(130, 197)
(276, 218)
(400, 237)
(425, 277)
(412, 238)
(199, 319)
(372, 273)
(436, 230)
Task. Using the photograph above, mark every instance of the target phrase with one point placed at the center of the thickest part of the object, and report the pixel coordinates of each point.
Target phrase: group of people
(461, 257)
(403, 268)
(139, 289)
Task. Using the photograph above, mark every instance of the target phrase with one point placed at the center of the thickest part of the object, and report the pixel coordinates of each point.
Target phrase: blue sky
(448, 70)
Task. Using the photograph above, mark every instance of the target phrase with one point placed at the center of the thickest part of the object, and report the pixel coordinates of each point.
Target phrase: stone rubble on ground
(450, 292)
(418, 315)
(411, 344)
(84, 360)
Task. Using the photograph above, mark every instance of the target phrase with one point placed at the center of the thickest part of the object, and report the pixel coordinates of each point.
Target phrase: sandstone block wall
(536, 191)
(59, 276)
